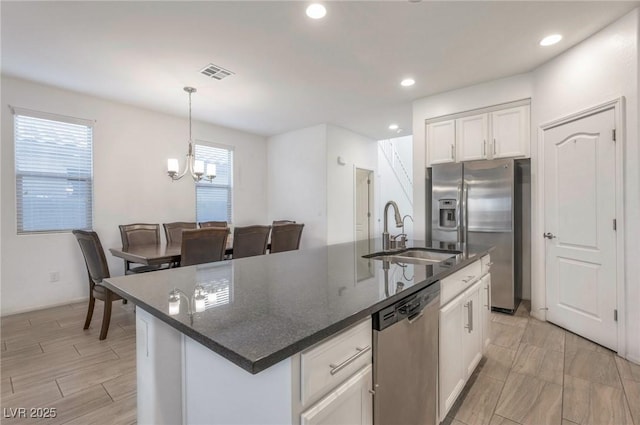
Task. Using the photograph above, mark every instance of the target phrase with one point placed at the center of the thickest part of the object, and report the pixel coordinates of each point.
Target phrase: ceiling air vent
(215, 71)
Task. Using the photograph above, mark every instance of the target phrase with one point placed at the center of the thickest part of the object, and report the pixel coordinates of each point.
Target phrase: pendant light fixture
(195, 167)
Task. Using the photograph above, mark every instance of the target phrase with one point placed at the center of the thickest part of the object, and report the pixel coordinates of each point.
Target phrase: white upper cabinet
(510, 132)
(486, 134)
(441, 141)
(472, 135)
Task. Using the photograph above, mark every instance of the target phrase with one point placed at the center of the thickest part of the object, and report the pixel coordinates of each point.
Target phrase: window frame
(19, 212)
(204, 183)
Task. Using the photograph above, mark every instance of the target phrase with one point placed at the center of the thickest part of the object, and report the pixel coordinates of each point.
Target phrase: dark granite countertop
(269, 307)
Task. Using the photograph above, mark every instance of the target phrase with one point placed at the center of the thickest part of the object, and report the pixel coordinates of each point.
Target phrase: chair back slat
(206, 224)
(173, 231)
(286, 237)
(203, 245)
(249, 241)
(139, 234)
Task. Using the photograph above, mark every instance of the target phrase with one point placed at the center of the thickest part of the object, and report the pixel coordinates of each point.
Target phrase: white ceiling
(291, 71)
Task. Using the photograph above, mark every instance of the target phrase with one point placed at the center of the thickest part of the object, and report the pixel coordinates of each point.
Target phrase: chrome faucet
(386, 240)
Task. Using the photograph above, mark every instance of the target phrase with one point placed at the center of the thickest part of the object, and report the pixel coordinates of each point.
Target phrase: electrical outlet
(54, 277)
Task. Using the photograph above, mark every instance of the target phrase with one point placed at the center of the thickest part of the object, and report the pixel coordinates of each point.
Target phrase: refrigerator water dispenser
(447, 209)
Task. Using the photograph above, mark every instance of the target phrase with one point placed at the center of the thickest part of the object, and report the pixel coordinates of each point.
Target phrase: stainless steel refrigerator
(487, 203)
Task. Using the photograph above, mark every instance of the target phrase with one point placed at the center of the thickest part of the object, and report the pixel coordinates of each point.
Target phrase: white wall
(131, 146)
(601, 68)
(390, 187)
(297, 184)
(356, 151)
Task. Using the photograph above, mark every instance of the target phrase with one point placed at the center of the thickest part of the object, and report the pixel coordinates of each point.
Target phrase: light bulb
(172, 165)
(316, 11)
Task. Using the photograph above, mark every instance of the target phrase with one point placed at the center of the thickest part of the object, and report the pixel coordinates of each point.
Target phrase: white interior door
(580, 187)
(363, 204)
(363, 220)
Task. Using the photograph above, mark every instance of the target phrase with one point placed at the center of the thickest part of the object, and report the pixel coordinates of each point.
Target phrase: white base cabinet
(180, 381)
(350, 403)
(460, 344)
(465, 316)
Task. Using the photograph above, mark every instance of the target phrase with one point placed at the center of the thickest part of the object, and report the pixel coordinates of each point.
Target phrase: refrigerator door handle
(458, 213)
(465, 217)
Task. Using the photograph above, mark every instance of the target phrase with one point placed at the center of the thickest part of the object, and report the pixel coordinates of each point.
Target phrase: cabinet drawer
(456, 283)
(485, 263)
(326, 365)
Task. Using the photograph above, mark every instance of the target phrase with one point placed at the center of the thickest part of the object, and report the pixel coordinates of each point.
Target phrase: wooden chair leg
(106, 317)
(92, 303)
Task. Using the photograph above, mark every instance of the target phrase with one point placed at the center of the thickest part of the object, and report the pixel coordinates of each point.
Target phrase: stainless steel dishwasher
(405, 360)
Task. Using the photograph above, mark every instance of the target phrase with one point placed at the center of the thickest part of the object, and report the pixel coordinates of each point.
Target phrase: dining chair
(279, 222)
(206, 224)
(286, 237)
(250, 240)
(173, 231)
(203, 245)
(97, 269)
(139, 234)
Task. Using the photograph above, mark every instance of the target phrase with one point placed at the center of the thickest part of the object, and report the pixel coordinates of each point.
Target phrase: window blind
(54, 173)
(214, 200)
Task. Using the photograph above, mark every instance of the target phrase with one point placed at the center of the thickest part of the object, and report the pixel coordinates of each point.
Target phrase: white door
(472, 330)
(364, 232)
(451, 375)
(471, 137)
(441, 141)
(510, 132)
(580, 202)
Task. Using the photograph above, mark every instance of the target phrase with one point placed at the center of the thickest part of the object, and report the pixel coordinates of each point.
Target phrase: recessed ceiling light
(393, 127)
(550, 39)
(316, 11)
(407, 82)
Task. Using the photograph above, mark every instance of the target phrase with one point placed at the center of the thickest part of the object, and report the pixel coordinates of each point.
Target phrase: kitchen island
(236, 357)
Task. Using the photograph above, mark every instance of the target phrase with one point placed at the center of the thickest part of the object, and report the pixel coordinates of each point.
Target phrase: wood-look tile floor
(535, 373)
(49, 361)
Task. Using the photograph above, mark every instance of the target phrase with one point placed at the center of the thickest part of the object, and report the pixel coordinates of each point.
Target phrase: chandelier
(197, 168)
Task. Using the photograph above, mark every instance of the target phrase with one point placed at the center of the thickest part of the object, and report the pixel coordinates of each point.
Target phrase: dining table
(157, 254)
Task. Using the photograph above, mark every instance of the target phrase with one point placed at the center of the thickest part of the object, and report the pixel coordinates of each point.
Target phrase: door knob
(549, 235)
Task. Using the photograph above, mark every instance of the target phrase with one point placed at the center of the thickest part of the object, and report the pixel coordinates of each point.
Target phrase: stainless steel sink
(422, 256)
(433, 256)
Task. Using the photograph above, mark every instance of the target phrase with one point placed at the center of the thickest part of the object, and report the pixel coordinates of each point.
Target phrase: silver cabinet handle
(337, 368)
(469, 307)
(494, 146)
(549, 235)
(470, 312)
(468, 279)
(486, 288)
(453, 155)
(484, 148)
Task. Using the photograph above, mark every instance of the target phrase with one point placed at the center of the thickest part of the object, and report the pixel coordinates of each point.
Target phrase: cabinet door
(472, 329)
(451, 375)
(510, 132)
(350, 403)
(485, 315)
(471, 137)
(441, 139)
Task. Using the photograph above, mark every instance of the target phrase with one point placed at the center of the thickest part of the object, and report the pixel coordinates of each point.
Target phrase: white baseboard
(42, 307)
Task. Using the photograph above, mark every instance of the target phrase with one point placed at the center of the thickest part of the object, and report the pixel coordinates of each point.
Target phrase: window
(214, 200)
(54, 172)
